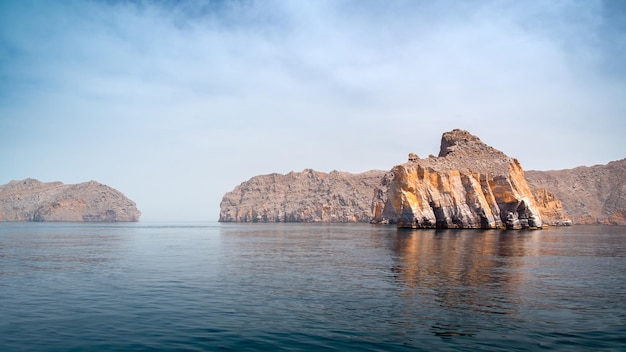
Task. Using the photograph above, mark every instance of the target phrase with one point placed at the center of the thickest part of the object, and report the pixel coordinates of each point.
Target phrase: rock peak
(461, 150)
(461, 143)
(456, 140)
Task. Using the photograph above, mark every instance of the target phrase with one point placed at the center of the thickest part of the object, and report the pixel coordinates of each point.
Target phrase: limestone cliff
(469, 185)
(590, 195)
(307, 196)
(32, 200)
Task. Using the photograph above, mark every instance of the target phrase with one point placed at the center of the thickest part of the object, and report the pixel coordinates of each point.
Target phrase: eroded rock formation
(307, 196)
(469, 185)
(32, 200)
(550, 207)
(590, 194)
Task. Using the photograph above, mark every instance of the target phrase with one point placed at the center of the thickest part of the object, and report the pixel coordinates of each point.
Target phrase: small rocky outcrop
(307, 196)
(469, 185)
(590, 194)
(32, 200)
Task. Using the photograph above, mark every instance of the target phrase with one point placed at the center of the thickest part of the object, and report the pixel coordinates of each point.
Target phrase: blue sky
(175, 103)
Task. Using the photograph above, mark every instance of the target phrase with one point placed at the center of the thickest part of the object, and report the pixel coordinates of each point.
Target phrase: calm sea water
(301, 287)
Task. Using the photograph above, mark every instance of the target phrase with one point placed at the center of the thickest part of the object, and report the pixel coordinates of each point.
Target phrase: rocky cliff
(469, 185)
(307, 196)
(590, 195)
(32, 200)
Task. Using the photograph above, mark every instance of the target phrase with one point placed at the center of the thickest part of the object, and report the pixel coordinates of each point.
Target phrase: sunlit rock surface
(32, 200)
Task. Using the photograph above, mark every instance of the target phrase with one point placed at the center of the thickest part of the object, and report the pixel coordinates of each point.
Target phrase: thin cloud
(175, 103)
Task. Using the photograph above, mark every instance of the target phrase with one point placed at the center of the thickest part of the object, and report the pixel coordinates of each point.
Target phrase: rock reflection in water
(472, 274)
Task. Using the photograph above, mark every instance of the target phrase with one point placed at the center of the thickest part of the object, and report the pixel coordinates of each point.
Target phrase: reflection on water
(458, 258)
(501, 280)
(58, 247)
(462, 272)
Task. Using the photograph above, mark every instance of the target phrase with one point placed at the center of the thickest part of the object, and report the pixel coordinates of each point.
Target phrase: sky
(174, 103)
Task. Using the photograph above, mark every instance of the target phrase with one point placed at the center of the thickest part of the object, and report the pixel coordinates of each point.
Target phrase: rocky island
(33, 200)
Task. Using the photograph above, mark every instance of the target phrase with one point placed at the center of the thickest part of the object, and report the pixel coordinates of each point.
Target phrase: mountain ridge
(590, 194)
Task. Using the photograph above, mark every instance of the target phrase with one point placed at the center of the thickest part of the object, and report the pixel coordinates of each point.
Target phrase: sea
(309, 287)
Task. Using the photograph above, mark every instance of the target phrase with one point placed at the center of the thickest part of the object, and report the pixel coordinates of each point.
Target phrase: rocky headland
(468, 185)
(33, 200)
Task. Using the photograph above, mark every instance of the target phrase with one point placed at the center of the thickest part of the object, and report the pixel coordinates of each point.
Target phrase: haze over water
(211, 286)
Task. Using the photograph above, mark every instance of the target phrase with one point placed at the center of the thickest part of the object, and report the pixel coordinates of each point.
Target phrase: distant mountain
(32, 200)
(590, 194)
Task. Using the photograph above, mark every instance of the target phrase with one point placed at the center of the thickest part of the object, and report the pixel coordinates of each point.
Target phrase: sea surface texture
(309, 287)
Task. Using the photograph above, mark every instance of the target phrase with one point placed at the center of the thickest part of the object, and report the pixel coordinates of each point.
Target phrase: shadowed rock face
(469, 185)
(590, 194)
(307, 196)
(32, 200)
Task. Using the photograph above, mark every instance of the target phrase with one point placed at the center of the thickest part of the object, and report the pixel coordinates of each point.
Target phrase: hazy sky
(174, 103)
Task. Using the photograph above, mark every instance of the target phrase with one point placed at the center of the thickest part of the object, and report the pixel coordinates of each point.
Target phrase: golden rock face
(550, 208)
(470, 185)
